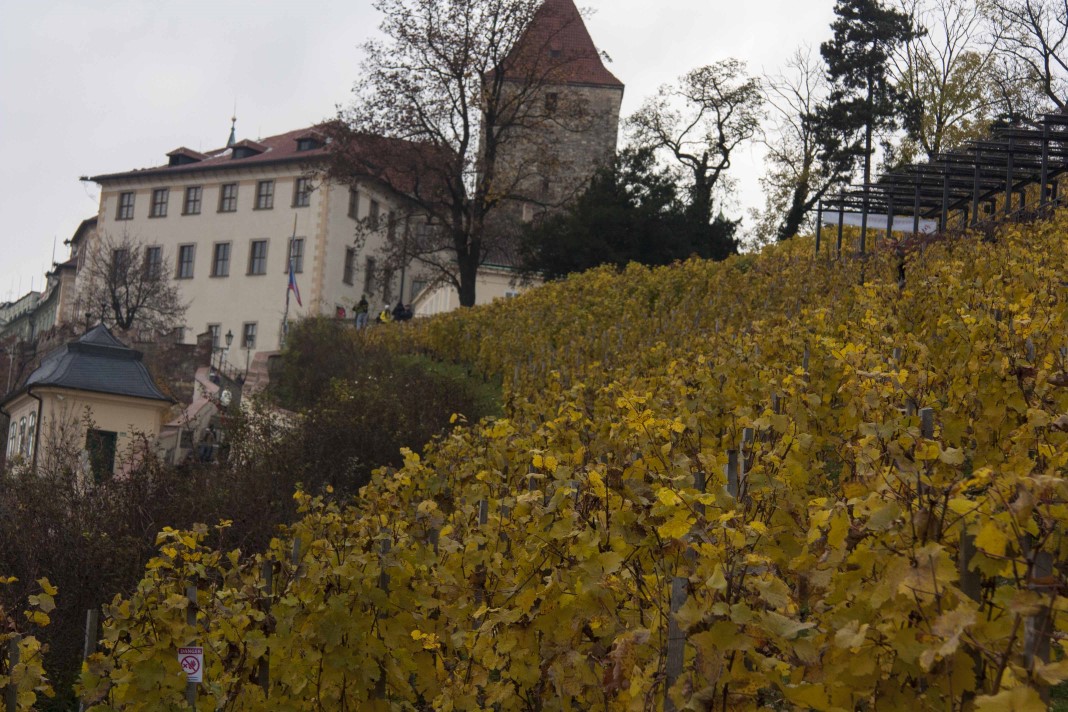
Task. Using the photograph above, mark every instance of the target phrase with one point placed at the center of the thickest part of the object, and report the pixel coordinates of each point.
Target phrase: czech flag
(293, 283)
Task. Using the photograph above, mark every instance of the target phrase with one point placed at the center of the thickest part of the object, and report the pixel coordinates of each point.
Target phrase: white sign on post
(192, 661)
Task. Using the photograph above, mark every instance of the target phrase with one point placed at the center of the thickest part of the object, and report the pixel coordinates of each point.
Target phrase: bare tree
(130, 284)
(1034, 36)
(952, 72)
(698, 122)
(798, 173)
(452, 112)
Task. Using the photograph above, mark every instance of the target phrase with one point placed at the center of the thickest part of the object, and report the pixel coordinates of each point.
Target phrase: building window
(153, 262)
(296, 255)
(101, 446)
(372, 217)
(186, 253)
(302, 193)
(31, 433)
(350, 265)
(552, 101)
(22, 436)
(257, 257)
(12, 440)
(120, 264)
(354, 204)
(228, 198)
(308, 144)
(220, 260)
(215, 330)
(265, 195)
(369, 273)
(248, 335)
(391, 226)
(418, 285)
(160, 196)
(192, 200)
(126, 206)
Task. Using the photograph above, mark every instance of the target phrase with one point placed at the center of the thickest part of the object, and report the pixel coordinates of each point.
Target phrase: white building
(224, 222)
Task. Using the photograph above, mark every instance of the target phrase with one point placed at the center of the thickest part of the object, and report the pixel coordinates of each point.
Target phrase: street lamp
(223, 350)
(250, 344)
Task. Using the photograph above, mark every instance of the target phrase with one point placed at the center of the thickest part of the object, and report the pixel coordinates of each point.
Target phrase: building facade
(227, 224)
(88, 402)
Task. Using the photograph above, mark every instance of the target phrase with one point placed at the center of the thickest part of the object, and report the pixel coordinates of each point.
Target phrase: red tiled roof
(558, 44)
(276, 149)
(410, 168)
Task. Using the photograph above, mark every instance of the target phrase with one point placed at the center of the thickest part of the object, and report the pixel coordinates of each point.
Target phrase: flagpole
(285, 316)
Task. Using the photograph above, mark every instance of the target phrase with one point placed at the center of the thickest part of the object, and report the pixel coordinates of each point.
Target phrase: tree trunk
(468, 257)
(799, 207)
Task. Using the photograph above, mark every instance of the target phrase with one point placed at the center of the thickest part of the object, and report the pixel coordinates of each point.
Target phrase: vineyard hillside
(784, 481)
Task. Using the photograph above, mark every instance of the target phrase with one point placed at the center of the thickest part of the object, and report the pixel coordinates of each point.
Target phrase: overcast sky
(88, 88)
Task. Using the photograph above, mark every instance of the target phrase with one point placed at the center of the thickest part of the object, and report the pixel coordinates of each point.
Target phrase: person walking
(385, 316)
(360, 310)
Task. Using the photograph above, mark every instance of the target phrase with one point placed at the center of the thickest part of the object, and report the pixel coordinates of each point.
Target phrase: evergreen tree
(864, 100)
(631, 212)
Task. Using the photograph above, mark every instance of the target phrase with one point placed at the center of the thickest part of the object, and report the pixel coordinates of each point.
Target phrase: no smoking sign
(192, 662)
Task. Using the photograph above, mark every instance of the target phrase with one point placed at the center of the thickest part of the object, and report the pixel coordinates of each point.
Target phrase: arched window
(22, 435)
(12, 439)
(31, 432)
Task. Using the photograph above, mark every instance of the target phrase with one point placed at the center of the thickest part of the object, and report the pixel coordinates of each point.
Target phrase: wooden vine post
(675, 655)
(266, 593)
(191, 621)
(92, 621)
(11, 696)
(383, 584)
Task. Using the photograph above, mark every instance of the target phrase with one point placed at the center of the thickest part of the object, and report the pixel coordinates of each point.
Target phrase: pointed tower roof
(233, 132)
(558, 40)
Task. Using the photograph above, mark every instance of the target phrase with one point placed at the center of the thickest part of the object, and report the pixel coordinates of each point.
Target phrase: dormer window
(308, 143)
(184, 156)
(555, 53)
(247, 149)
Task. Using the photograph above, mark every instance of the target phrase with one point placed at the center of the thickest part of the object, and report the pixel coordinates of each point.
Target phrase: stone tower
(573, 111)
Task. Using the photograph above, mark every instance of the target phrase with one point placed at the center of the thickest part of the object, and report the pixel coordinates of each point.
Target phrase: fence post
(267, 576)
(676, 640)
(92, 620)
(12, 693)
(743, 459)
(383, 584)
(733, 480)
(294, 558)
(927, 422)
(191, 620)
(970, 582)
(480, 576)
(1039, 628)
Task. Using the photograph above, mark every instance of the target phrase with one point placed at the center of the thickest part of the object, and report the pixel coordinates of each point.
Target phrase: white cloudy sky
(94, 87)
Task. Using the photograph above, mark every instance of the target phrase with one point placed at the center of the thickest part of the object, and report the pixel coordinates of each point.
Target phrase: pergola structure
(969, 181)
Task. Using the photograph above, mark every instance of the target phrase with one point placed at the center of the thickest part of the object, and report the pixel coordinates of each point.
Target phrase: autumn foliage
(527, 562)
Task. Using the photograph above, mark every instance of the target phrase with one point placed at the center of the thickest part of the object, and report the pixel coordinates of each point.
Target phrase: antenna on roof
(233, 127)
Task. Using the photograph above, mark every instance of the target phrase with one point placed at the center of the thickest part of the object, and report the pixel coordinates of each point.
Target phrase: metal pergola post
(889, 216)
(1044, 180)
(945, 200)
(819, 223)
(1008, 177)
(841, 219)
